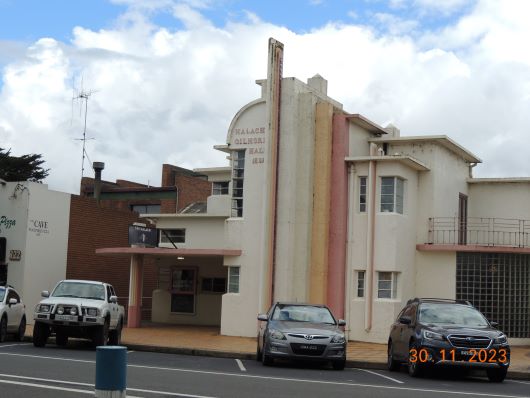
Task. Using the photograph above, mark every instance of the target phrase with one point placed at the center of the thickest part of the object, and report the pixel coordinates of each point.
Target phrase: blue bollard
(111, 371)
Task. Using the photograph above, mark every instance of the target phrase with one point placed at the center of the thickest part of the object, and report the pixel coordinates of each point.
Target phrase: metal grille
(498, 285)
(465, 341)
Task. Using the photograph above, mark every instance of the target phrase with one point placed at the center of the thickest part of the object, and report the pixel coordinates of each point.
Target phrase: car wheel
(258, 352)
(19, 336)
(3, 329)
(266, 360)
(115, 335)
(61, 339)
(41, 332)
(339, 365)
(497, 375)
(391, 363)
(101, 335)
(414, 367)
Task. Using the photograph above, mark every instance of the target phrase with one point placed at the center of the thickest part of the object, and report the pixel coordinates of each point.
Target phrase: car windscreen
(451, 314)
(2, 293)
(302, 313)
(79, 289)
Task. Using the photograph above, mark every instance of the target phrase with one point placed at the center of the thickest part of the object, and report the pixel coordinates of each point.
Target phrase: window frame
(363, 287)
(393, 287)
(230, 279)
(218, 189)
(164, 239)
(397, 196)
(363, 183)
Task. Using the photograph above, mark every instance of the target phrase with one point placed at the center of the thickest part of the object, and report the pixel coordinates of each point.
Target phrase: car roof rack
(433, 299)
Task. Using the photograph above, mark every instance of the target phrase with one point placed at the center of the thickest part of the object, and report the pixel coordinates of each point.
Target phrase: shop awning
(164, 251)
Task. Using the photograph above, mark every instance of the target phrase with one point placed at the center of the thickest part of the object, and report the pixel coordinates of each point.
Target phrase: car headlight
(60, 310)
(502, 339)
(91, 311)
(338, 338)
(276, 335)
(73, 311)
(427, 334)
(43, 308)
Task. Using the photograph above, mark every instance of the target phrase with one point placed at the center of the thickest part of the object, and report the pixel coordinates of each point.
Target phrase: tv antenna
(83, 95)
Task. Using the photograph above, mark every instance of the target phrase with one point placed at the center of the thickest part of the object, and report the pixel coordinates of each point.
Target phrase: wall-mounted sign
(6, 223)
(39, 227)
(143, 236)
(15, 255)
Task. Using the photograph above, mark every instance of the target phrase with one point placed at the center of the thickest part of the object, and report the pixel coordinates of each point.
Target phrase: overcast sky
(167, 76)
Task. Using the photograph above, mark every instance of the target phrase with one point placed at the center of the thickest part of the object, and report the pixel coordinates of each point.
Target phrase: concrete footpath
(197, 340)
(205, 340)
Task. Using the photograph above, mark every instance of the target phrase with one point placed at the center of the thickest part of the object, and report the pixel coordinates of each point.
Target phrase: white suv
(79, 308)
(12, 314)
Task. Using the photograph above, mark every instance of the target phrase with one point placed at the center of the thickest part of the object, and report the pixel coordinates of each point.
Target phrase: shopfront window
(183, 289)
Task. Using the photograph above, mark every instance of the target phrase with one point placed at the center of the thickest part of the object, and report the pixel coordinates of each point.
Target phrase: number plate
(66, 317)
(308, 347)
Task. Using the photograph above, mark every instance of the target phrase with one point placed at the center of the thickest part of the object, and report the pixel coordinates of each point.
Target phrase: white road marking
(520, 382)
(128, 352)
(45, 357)
(380, 375)
(175, 394)
(478, 394)
(19, 383)
(13, 345)
(241, 366)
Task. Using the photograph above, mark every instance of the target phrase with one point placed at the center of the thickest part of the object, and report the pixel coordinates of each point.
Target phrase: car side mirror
(45, 293)
(494, 324)
(406, 320)
(263, 317)
(113, 299)
(13, 301)
(341, 322)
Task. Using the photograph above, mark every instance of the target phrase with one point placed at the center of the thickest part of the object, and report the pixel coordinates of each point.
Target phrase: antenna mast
(83, 96)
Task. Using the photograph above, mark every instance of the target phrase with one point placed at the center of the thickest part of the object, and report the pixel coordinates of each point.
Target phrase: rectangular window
(360, 283)
(362, 194)
(146, 209)
(213, 285)
(176, 235)
(392, 194)
(238, 174)
(220, 187)
(387, 285)
(233, 279)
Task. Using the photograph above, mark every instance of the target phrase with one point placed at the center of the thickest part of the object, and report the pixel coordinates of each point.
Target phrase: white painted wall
(499, 200)
(41, 234)
(201, 232)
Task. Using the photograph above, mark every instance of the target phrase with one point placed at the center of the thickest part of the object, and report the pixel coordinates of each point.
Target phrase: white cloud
(168, 96)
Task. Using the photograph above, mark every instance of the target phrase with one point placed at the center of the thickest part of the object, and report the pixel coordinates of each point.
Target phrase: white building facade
(323, 206)
(34, 221)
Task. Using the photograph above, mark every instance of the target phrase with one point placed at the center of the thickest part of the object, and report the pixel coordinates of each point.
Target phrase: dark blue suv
(429, 333)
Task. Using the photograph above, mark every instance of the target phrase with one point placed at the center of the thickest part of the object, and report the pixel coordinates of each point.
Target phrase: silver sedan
(301, 331)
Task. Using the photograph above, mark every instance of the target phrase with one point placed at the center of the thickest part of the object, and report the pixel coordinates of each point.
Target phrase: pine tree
(22, 168)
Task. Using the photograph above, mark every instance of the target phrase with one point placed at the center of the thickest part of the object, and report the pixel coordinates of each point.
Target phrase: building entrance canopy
(137, 255)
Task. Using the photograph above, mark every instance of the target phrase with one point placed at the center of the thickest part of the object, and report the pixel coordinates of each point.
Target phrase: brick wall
(191, 189)
(93, 227)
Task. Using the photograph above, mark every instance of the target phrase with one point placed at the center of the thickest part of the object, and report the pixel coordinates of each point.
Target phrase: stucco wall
(40, 232)
(436, 274)
(499, 200)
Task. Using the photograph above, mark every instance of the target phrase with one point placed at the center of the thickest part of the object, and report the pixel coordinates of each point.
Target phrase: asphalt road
(27, 371)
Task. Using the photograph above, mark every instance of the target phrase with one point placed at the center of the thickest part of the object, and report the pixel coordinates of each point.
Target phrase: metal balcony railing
(479, 231)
